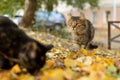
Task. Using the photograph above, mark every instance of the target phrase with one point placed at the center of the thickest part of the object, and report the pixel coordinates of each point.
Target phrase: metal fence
(112, 39)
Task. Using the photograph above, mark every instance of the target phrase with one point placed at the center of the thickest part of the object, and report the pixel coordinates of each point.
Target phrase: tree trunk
(29, 11)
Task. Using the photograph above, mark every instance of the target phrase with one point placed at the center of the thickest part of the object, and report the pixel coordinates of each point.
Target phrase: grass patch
(62, 33)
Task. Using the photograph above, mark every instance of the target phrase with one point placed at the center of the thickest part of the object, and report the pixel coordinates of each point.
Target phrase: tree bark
(29, 11)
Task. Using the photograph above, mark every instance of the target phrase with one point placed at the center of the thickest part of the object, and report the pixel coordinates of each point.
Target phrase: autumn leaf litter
(65, 62)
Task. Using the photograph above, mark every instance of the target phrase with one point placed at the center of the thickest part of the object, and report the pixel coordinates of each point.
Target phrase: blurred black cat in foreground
(6, 22)
(17, 48)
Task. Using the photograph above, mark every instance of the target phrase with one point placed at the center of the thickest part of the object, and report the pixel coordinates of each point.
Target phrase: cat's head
(33, 56)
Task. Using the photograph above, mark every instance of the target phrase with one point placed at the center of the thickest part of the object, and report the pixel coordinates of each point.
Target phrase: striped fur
(82, 30)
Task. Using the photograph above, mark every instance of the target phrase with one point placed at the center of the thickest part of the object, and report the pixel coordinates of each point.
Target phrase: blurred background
(51, 16)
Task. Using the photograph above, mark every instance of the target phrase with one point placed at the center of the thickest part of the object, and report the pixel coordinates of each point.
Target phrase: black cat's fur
(6, 22)
(17, 48)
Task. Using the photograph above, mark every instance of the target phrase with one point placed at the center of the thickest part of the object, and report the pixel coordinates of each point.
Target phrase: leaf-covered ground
(66, 62)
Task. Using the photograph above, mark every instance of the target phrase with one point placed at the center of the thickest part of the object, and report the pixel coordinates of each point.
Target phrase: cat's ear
(48, 47)
(82, 16)
(69, 15)
(31, 49)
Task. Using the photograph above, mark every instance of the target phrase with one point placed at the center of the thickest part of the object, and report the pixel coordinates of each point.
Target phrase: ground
(66, 62)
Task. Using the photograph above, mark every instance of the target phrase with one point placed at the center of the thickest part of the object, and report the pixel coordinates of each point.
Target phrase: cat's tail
(92, 46)
(95, 45)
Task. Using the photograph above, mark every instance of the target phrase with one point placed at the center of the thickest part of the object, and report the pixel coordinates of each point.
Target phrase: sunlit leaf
(43, 77)
(91, 53)
(69, 74)
(97, 75)
(16, 69)
(84, 51)
(86, 60)
(109, 61)
(72, 55)
(56, 74)
(97, 67)
(110, 78)
(85, 78)
(26, 77)
(80, 64)
(49, 64)
(4, 75)
(70, 63)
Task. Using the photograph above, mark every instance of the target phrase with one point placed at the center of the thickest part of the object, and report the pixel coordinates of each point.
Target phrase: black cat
(17, 48)
(6, 22)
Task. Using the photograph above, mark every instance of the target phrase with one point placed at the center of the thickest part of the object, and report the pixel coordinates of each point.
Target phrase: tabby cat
(82, 30)
(17, 48)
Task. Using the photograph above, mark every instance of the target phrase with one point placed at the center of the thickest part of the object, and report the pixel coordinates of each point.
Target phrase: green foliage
(75, 3)
(48, 3)
(111, 69)
(80, 3)
(93, 3)
(10, 6)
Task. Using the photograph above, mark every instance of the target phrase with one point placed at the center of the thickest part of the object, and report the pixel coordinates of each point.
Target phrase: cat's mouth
(74, 26)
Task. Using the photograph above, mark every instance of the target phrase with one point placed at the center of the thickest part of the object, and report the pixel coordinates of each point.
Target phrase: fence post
(109, 35)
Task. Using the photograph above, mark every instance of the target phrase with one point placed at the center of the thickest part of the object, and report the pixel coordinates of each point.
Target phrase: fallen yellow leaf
(43, 77)
(80, 64)
(56, 74)
(72, 55)
(84, 51)
(16, 69)
(49, 64)
(109, 61)
(69, 74)
(26, 77)
(70, 62)
(91, 53)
